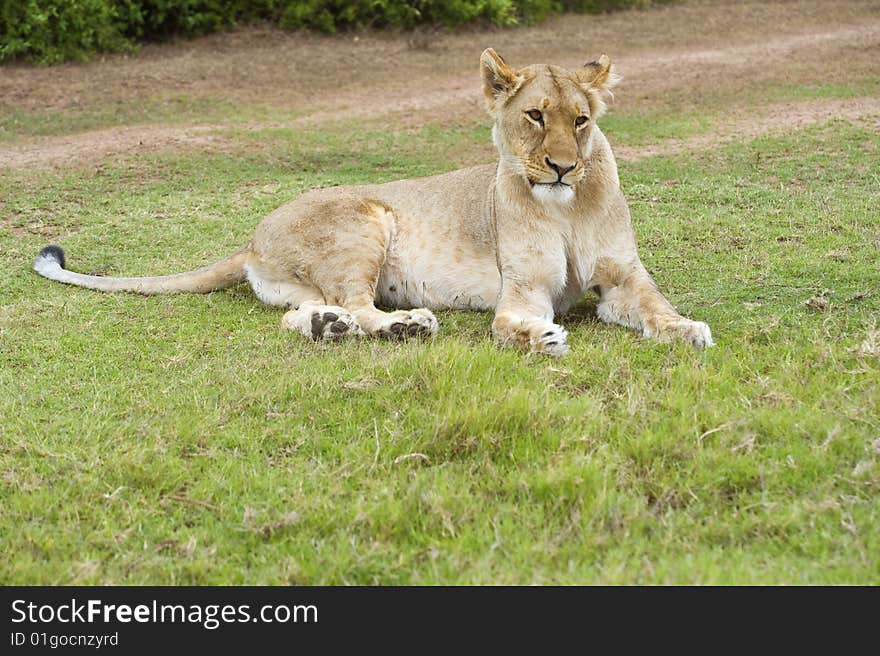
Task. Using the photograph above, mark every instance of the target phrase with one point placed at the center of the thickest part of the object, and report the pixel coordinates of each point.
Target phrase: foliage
(50, 31)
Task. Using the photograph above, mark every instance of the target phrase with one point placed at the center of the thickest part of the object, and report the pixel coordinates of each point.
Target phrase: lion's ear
(598, 74)
(598, 78)
(499, 79)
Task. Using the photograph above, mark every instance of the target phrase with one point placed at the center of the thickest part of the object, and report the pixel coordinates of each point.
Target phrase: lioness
(526, 237)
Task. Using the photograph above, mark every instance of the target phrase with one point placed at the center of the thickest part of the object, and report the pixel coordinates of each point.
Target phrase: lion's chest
(580, 263)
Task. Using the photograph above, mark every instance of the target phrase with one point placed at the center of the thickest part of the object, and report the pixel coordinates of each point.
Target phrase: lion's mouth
(558, 184)
(553, 192)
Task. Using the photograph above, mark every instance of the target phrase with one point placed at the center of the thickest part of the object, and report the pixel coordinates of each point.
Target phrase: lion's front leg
(630, 297)
(524, 313)
(534, 333)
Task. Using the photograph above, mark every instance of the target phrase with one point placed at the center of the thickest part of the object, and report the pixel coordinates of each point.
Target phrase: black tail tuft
(54, 252)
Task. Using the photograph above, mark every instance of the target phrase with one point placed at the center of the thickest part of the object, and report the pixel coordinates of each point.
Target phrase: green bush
(52, 31)
(330, 15)
(49, 31)
(161, 19)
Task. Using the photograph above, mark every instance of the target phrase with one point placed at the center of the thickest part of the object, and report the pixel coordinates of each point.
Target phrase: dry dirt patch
(772, 119)
(98, 144)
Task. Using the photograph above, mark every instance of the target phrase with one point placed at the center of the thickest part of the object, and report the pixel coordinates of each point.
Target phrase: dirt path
(773, 119)
(689, 56)
(94, 146)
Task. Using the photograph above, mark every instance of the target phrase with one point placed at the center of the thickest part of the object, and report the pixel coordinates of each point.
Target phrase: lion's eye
(581, 121)
(535, 115)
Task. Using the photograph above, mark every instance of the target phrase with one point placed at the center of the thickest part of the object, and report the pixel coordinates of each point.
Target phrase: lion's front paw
(696, 333)
(536, 334)
(550, 339)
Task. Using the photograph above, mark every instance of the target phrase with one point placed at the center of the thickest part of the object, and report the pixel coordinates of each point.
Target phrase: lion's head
(544, 119)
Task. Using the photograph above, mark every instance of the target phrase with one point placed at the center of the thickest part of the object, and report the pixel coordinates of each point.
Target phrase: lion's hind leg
(349, 278)
(310, 315)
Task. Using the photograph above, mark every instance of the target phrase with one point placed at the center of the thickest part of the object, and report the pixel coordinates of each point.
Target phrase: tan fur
(526, 237)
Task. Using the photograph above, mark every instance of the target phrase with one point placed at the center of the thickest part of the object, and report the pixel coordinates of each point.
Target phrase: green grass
(17, 124)
(854, 88)
(757, 461)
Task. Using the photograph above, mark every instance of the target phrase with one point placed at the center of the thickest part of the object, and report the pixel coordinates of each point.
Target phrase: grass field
(191, 440)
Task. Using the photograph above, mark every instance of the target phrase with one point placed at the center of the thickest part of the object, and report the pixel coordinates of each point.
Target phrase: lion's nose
(561, 169)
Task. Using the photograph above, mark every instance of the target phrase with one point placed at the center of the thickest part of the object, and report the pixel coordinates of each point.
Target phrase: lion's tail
(225, 273)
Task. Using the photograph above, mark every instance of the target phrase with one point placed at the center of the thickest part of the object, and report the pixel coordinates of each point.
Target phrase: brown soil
(98, 144)
(684, 57)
